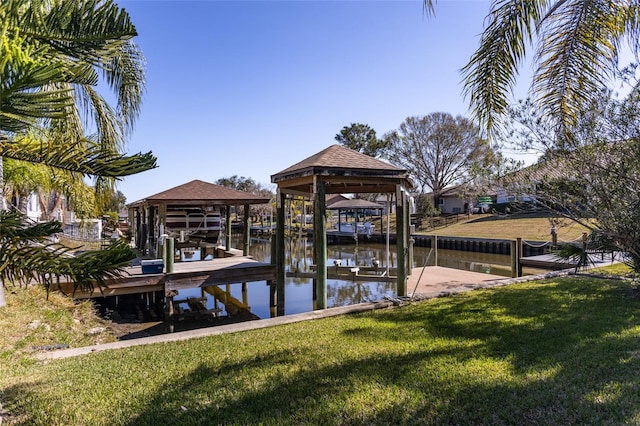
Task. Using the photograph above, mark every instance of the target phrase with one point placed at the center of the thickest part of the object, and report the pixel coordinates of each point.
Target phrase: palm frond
(577, 55)
(86, 30)
(24, 257)
(84, 157)
(491, 72)
(24, 92)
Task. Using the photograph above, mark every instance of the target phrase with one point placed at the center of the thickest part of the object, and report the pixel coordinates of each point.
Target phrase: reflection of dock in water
(353, 273)
(206, 275)
(234, 307)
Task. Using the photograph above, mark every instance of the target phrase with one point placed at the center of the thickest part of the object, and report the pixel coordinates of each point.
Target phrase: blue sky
(250, 88)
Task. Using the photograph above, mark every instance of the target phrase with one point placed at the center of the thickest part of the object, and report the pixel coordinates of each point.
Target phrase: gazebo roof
(355, 203)
(198, 192)
(344, 171)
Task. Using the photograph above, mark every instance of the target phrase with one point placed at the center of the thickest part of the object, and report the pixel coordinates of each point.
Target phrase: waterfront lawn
(511, 227)
(562, 351)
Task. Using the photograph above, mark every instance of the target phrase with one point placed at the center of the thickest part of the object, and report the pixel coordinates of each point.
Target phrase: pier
(203, 274)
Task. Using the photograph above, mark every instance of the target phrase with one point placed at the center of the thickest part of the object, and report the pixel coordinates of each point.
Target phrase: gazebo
(338, 170)
(355, 205)
(150, 217)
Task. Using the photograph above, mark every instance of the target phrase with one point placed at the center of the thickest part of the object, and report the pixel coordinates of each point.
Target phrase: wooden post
(245, 297)
(170, 307)
(401, 242)
(514, 258)
(162, 244)
(162, 220)
(246, 231)
(320, 241)
(170, 255)
(227, 231)
(519, 255)
(272, 299)
(435, 252)
(278, 253)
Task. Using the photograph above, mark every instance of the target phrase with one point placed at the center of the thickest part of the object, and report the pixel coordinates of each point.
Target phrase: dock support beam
(516, 254)
(435, 250)
(227, 231)
(169, 253)
(277, 253)
(401, 240)
(246, 229)
(320, 241)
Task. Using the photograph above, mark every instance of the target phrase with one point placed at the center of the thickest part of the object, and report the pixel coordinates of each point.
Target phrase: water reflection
(299, 291)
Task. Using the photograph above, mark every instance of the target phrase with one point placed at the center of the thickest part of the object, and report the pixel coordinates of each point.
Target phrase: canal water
(299, 257)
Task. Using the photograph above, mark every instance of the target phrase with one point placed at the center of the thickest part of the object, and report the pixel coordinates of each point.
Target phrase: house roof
(344, 171)
(198, 192)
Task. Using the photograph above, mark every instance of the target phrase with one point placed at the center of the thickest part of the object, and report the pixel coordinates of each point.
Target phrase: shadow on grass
(567, 364)
(564, 352)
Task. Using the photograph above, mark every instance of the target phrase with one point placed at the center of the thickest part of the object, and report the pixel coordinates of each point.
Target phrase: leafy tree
(53, 54)
(115, 202)
(439, 150)
(596, 183)
(242, 183)
(361, 138)
(239, 183)
(425, 208)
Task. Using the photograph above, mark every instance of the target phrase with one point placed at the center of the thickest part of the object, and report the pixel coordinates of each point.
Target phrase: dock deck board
(224, 270)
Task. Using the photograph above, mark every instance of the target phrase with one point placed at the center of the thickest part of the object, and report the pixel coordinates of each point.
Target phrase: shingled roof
(354, 203)
(200, 192)
(335, 157)
(344, 170)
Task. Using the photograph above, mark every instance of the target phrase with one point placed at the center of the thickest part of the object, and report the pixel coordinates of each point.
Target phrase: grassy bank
(564, 351)
(510, 227)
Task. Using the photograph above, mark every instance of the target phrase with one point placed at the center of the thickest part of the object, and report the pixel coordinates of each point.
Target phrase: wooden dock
(555, 263)
(225, 270)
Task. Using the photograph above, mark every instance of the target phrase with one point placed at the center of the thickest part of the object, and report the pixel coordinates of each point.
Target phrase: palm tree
(53, 55)
(577, 44)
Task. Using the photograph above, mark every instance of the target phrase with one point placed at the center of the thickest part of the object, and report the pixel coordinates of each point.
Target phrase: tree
(115, 202)
(595, 183)
(577, 51)
(438, 150)
(239, 183)
(242, 183)
(361, 138)
(52, 56)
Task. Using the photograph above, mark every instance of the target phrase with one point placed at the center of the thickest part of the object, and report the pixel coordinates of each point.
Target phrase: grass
(562, 351)
(31, 321)
(511, 227)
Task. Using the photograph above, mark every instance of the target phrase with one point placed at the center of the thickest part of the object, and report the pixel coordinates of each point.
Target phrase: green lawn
(563, 351)
(527, 227)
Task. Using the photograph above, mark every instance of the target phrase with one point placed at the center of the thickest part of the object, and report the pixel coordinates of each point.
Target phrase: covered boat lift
(148, 216)
(338, 170)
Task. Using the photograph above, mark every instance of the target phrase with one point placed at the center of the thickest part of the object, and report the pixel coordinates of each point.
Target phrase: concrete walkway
(436, 281)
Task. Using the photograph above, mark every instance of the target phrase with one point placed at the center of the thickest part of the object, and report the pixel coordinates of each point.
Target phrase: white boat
(193, 223)
(363, 228)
